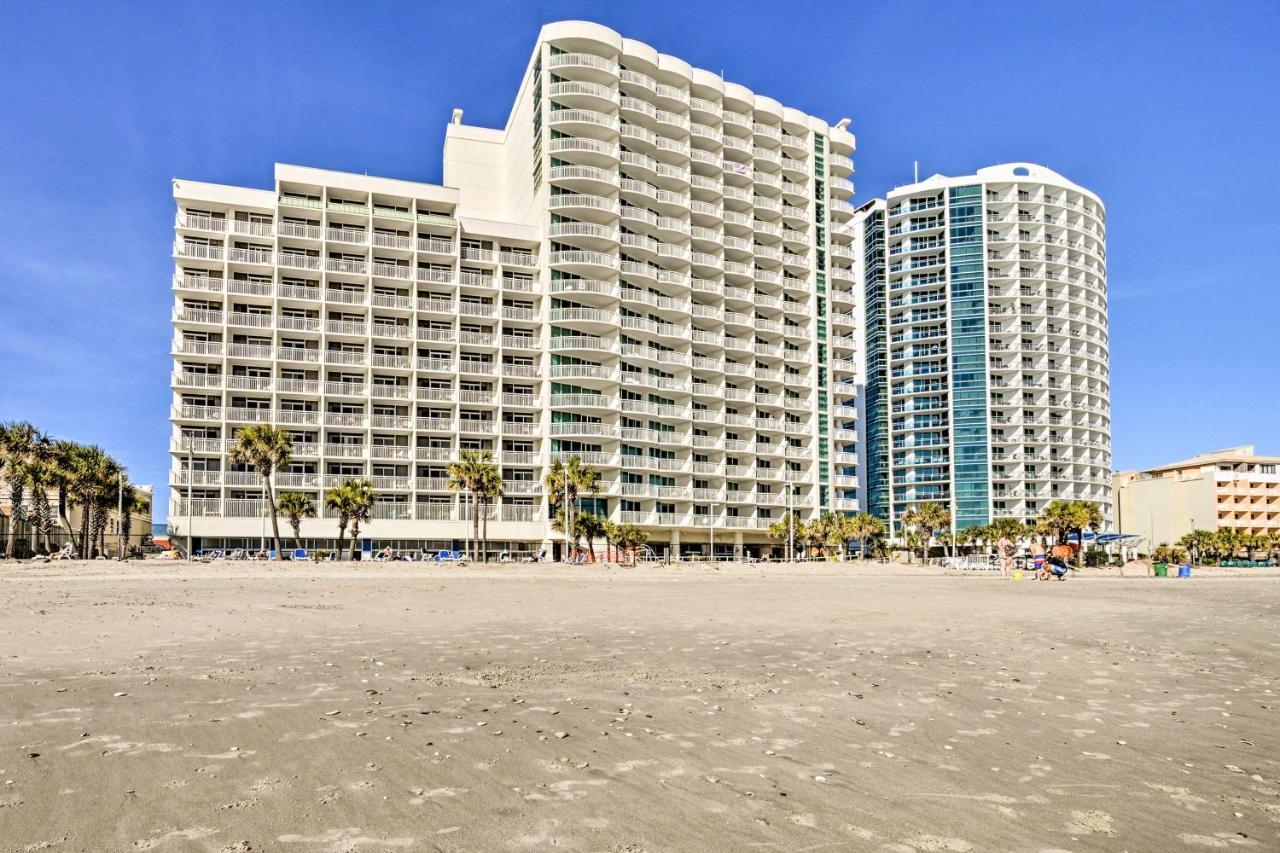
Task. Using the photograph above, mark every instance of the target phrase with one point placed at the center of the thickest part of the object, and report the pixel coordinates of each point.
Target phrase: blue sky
(1167, 110)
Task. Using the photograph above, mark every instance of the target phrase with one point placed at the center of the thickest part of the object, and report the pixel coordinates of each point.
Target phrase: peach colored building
(1231, 488)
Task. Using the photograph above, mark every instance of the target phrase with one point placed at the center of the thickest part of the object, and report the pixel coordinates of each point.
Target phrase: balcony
(198, 251)
(595, 67)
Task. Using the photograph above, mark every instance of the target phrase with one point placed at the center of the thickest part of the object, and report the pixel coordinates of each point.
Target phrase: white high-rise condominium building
(987, 385)
(634, 271)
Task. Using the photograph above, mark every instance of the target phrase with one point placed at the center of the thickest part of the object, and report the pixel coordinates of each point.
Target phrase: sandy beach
(245, 707)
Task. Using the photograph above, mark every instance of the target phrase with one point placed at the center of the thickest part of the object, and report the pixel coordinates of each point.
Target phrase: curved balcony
(591, 319)
(705, 136)
(840, 210)
(593, 234)
(585, 429)
(706, 110)
(590, 207)
(587, 344)
(583, 93)
(594, 373)
(580, 122)
(585, 263)
(585, 287)
(705, 210)
(584, 401)
(585, 178)
(585, 150)
(794, 216)
(740, 122)
(584, 66)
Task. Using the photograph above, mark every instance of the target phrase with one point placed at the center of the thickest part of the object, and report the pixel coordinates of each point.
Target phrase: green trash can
(1162, 570)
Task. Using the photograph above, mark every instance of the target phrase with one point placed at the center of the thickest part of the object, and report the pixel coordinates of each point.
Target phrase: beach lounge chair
(299, 553)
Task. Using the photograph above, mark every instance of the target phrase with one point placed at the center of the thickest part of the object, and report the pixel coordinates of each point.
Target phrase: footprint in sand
(344, 841)
(421, 796)
(935, 842)
(192, 834)
(1083, 823)
(1218, 839)
(1181, 796)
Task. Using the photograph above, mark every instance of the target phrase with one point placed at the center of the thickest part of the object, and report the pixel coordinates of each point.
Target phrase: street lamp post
(568, 517)
(120, 513)
(791, 517)
(712, 521)
(191, 539)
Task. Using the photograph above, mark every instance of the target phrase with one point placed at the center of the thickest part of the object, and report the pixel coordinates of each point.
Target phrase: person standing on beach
(1037, 554)
(1004, 550)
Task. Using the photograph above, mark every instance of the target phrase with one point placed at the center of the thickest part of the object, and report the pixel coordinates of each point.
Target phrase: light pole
(120, 513)
(712, 522)
(568, 517)
(191, 540)
(791, 516)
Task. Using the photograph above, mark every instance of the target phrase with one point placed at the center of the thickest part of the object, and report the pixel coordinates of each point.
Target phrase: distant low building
(16, 533)
(1231, 488)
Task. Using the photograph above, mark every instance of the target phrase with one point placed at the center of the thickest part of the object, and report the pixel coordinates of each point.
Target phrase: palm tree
(40, 479)
(1088, 515)
(130, 501)
(296, 506)
(822, 531)
(63, 459)
(863, 527)
(472, 472)
(929, 518)
(1197, 543)
(1273, 544)
(18, 440)
(591, 526)
(789, 528)
(15, 474)
(976, 534)
(576, 479)
(628, 537)
(93, 482)
(1228, 542)
(362, 499)
(1062, 519)
(341, 500)
(268, 449)
(1056, 522)
(491, 488)
(910, 521)
(610, 530)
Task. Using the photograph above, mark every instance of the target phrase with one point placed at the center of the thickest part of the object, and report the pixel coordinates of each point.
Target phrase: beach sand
(398, 707)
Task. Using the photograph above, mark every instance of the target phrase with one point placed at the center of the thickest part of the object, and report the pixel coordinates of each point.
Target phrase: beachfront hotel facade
(648, 268)
(985, 346)
(1232, 489)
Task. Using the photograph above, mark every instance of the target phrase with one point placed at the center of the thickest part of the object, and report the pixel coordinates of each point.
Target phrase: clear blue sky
(1167, 110)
